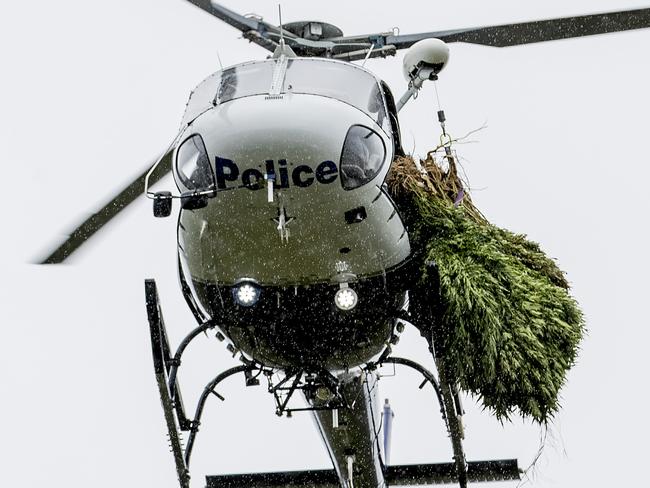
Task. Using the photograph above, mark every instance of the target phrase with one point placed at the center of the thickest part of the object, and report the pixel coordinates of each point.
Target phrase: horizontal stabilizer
(405, 475)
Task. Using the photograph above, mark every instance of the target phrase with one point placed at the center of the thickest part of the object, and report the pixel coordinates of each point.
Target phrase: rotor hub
(313, 30)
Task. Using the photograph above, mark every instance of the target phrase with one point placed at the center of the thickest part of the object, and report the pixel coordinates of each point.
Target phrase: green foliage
(503, 322)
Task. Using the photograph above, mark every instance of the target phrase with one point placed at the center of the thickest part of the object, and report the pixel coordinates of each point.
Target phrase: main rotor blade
(96, 221)
(228, 16)
(536, 31)
(254, 30)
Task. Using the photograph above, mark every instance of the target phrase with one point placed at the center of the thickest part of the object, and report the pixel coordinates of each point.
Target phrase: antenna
(368, 55)
(282, 49)
(281, 29)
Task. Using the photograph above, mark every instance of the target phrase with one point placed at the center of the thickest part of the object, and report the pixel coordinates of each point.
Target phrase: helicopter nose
(295, 141)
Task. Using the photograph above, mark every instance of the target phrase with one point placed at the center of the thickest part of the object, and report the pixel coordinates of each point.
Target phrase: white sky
(92, 91)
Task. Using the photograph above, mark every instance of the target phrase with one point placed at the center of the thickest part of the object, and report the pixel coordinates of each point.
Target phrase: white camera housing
(431, 53)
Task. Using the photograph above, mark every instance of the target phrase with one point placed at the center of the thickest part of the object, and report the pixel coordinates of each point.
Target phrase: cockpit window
(344, 82)
(240, 81)
(193, 165)
(362, 158)
(244, 80)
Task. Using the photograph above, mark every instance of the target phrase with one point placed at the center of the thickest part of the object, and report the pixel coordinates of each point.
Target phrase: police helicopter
(291, 250)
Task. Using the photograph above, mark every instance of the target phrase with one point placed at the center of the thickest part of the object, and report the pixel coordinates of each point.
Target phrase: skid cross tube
(204, 397)
(176, 361)
(447, 409)
(428, 376)
(166, 372)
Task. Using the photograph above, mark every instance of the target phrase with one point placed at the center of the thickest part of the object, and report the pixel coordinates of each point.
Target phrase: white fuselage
(298, 233)
(294, 154)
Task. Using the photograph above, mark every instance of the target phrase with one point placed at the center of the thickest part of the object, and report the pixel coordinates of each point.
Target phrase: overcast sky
(92, 91)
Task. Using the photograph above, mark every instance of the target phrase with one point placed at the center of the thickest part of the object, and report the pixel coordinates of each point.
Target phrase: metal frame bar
(158, 342)
(288, 375)
(447, 409)
(283, 394)
(176, 360)
(454, 425)
(282, 406)
(166, 371)
(201, 404)
(418, 78)
(428, 375)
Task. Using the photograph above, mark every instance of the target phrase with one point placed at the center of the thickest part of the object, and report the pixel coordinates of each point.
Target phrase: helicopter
(289, 245)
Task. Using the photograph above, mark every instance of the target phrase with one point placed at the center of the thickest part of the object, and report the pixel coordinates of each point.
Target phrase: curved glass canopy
(342, 81)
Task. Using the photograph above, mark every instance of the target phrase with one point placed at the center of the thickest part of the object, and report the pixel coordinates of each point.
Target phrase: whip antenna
(281, 29)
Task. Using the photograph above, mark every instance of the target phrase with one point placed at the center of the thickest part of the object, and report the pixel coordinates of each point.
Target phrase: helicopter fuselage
(298, 212)
(290, 245)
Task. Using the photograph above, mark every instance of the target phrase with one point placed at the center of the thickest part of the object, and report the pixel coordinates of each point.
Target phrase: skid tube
(447, 409)
(396, 475)
(166, 368)
(161, 357)
(460, 470)
(166, 371)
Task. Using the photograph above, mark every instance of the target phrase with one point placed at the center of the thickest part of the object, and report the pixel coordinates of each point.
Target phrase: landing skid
(162, 369)
(460, 471)
(166, 368)
(166, 371)
(406, 475)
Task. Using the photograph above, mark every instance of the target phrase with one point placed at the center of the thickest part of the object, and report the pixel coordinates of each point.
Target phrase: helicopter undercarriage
(300, 326)
(342, 404)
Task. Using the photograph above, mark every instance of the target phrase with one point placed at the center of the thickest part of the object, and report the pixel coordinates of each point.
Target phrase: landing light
(346, 298)
(246, 294)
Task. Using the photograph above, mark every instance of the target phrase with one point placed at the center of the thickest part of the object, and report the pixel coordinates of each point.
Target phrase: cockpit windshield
(239, 81)
(344, 82)
(245, 80)
(341, 81)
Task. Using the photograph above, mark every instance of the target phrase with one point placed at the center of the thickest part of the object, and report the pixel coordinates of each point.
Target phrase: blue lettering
(302, 176)
(221, 165)
(297, 173)
(248, 175)
(270, 169)
(284, 174)
(326, 172)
